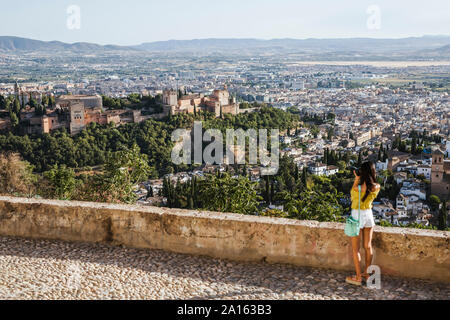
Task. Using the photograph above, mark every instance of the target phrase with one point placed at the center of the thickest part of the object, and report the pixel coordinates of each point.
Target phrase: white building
(424, 170)
(409, 191)
(382, 210)
(382, 166)
(332, 170)
(400, 177)
(318, 169)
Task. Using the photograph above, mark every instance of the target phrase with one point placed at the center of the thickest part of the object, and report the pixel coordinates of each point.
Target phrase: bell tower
(437, 171)
(17, 90)
(437, 168)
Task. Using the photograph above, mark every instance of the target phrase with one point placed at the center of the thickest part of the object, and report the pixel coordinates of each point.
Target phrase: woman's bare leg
(356, 242)
(368, 248)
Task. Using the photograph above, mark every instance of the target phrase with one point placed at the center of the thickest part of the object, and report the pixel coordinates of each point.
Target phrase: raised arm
(357, 180)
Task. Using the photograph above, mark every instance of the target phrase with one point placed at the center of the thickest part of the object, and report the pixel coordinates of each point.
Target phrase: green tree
(23, 101)
(44, 100)
(16, 176)
(414, 146)
(51, 101)
(16, 108)
(150, 193)
(227, 194)
(341, 165)
(434, 202)
(59, 183)
(14, 119)
(442, 218)
(351, 136)
(3, 103)
(33, 103)
(330, 133)
(319, 202)
(123, 170)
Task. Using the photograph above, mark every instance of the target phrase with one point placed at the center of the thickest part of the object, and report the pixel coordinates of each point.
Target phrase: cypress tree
(16, 109)
(332, 158)
(190, 202)
(151, 191)
(272, 191)
(193, 191)
(305, 177)
(414, 146)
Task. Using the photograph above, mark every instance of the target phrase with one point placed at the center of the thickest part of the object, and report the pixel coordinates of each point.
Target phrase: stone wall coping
(223, 216)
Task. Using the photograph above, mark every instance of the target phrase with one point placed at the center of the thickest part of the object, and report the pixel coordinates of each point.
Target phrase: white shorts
(366, 220)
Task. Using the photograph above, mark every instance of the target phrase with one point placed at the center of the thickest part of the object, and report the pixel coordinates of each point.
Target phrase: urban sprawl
(343, 109)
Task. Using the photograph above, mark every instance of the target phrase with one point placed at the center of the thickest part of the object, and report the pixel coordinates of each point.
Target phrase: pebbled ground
(40, 269)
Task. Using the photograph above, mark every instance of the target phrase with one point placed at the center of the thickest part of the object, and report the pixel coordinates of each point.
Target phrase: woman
(366, 178)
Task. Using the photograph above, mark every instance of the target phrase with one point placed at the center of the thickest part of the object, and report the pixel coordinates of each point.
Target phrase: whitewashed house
(424, 170)
(318, 169)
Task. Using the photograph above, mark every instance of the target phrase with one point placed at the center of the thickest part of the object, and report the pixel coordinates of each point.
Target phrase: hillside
(427, 47)
(14, 44)
(319, 45)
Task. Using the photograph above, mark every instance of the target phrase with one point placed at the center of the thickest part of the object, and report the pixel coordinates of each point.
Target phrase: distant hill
(368, 45)
(444, 49)
(13, 44)
(427, 47)
(440, 53)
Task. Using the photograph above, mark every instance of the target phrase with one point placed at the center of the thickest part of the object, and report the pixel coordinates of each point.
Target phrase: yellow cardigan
(366, 205)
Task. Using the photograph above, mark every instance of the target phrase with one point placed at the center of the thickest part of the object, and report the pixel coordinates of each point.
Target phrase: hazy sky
(129, 22)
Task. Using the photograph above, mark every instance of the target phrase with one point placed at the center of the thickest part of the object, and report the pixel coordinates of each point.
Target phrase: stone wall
(402, 252)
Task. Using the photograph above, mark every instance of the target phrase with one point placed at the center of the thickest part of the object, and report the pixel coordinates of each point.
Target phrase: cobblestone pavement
(36, 269)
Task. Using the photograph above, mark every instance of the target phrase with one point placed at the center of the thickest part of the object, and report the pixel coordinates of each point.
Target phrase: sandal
(365, 277)
(354, 281)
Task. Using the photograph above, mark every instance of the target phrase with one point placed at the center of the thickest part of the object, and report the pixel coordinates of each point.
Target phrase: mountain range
(15, 44)
(419, 46)
(330, 45)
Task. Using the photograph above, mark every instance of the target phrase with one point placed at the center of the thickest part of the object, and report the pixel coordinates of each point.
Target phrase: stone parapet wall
(412, 253)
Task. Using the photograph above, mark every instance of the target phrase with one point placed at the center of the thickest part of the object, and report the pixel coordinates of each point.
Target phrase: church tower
(17, 90)
(437, 171)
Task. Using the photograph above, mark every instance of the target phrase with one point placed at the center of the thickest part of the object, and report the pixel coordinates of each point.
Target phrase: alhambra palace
(220, 102)
(75, 112)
